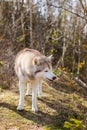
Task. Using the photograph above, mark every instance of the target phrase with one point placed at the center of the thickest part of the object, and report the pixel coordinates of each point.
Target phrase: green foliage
(1, 62)
(75, 124)
(58, 71)
(54, 36)
(53, 50)
(52, 127)
(49, 127)
(53, 41)
(0, 87)
(20, 38)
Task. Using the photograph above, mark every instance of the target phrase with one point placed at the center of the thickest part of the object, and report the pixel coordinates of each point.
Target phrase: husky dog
(32, 67)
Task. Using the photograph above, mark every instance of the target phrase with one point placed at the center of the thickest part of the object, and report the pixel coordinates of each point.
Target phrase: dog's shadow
(43, 118)
(38, 117)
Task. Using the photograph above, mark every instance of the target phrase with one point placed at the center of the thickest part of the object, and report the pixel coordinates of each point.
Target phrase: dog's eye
(46, 70)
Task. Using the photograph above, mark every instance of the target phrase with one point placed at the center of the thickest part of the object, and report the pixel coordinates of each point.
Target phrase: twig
(67, 11)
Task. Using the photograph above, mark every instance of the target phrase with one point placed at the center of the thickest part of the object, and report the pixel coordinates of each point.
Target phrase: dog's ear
(49, 58)
(36, 61)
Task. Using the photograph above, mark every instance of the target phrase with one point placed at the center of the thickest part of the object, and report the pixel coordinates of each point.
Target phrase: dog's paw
(27, 94)
(34, 109)
(19, 108)
(40, 95)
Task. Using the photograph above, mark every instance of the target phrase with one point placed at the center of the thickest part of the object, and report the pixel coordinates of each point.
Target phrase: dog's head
(43, 68)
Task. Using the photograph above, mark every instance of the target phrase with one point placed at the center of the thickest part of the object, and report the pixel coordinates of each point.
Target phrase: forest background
(57, 27)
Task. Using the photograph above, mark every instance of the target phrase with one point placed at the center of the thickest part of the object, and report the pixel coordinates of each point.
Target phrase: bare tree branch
(83, 17)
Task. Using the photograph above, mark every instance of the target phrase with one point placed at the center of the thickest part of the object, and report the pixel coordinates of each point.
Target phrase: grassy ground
(61, 100)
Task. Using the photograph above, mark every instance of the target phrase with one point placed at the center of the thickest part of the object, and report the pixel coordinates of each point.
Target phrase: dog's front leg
(34, 95)
(21, 100)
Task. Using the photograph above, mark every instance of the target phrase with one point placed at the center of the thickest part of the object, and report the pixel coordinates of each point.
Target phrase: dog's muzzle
(54, 78)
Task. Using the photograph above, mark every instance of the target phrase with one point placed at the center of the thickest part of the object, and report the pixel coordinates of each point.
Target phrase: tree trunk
(31, 38)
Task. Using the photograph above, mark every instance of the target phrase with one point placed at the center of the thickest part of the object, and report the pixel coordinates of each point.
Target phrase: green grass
(61, 101)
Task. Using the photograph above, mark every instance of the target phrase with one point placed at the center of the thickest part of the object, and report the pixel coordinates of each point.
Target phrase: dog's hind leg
(21, 100)
(28, 92)
(40, 88)
(29, 88)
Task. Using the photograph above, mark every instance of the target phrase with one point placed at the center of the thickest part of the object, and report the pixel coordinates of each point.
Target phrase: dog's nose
(54, 77)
